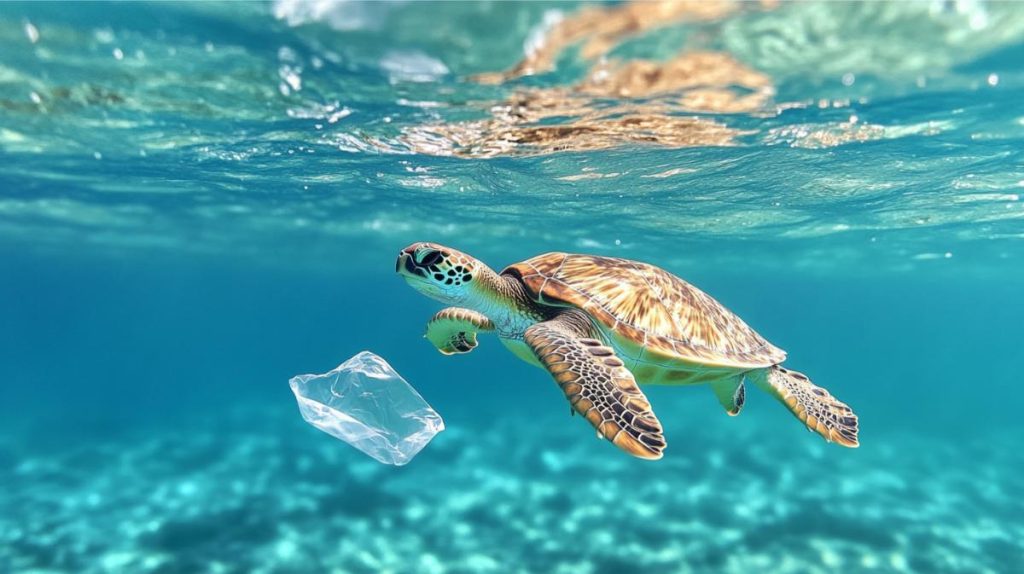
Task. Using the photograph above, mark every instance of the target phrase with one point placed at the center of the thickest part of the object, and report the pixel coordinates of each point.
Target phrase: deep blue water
(199, 201)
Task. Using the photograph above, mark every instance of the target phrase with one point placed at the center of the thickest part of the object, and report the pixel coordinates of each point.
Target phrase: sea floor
(259, 491)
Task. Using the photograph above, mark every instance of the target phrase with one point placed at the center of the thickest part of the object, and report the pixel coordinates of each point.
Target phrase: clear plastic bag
(367, 404)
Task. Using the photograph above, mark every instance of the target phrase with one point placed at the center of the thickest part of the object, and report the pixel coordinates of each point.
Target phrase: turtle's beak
(418, 258)
(406, 265)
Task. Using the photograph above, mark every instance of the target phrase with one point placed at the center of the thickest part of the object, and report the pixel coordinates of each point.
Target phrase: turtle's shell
(648, 306)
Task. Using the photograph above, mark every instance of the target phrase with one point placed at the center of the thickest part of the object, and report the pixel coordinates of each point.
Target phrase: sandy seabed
(538, 496)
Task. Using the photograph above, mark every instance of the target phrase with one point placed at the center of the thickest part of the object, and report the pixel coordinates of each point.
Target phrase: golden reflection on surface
(712, 82)
(641, 78)
(618, 101)
(600, 28)
(497, 137)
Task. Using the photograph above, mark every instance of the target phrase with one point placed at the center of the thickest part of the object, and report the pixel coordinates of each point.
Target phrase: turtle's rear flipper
(453, 330)
(819, 410)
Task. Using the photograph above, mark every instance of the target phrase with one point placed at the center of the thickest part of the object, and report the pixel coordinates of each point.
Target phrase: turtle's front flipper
(453, 330)
(819, 410)
(597, 384)
(731, 394)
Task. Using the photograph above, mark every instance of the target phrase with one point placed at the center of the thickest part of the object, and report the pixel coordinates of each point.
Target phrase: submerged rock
(367, 404)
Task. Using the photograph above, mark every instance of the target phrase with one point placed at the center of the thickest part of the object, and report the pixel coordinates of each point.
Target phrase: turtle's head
(440, 272)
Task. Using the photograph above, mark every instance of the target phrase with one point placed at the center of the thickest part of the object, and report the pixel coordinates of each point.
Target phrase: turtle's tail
(816, 407)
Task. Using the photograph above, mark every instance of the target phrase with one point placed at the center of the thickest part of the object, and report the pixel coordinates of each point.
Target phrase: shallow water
(199, 201)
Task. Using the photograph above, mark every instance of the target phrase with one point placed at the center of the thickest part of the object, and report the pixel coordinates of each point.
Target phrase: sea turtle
(600, 325)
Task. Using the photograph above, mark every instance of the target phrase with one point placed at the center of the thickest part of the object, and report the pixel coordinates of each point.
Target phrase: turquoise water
(199, 201)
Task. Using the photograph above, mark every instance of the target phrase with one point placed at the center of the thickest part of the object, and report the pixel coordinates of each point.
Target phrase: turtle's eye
(430, 257)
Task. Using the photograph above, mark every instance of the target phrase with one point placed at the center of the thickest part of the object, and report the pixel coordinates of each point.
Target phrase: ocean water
(200, 200)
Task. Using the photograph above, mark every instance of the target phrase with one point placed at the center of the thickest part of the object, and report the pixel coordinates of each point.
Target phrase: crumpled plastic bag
(367, 404)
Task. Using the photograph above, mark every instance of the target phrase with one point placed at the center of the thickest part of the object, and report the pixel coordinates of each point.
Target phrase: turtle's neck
(504, 301)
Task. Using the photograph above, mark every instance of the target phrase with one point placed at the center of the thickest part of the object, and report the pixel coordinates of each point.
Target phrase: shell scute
(598, 312)
(556, 290)
(648, 306)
